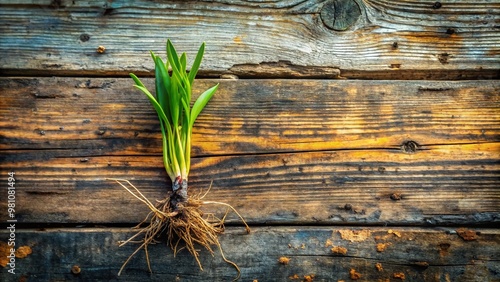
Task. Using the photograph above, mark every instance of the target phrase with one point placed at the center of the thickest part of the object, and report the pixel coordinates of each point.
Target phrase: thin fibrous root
(232, 208)
(184, 227)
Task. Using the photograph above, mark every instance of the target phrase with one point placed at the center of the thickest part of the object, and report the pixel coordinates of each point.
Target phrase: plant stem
(180, 195)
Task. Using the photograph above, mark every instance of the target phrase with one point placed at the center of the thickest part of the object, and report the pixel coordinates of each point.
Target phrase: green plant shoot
(178, 216)
(173, 106)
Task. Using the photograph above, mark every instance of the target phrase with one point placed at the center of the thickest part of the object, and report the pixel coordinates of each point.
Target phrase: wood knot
(84, 37)
(56, 4)
(409, 147)
(340, 15)
(437, 5)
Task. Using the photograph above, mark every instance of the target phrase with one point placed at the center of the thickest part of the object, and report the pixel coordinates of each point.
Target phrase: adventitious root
(184, 227)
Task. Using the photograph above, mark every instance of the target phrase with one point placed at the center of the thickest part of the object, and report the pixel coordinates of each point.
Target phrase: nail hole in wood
(409, 147)
(396, 196)
(107, 12)
(84, 37)
(443, 58)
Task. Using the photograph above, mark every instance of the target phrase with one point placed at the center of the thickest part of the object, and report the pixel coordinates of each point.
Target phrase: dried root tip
(233, 209)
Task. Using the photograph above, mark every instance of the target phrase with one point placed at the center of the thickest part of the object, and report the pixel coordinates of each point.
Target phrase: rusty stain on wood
(339, 250)
(382, 246)
(354, 275)
(467, 234)
(284, 260)
(355, 235)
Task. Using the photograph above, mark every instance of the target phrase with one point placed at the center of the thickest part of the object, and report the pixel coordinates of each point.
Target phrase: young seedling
(178, 215)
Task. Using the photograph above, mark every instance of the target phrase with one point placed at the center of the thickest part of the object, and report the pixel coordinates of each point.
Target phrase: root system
(184, 225)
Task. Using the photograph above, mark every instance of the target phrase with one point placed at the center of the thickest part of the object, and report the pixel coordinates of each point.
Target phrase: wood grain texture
(440, 186)
(313, 165)
(420, 254)
(281, 151)
(391, 39)
(103, 116)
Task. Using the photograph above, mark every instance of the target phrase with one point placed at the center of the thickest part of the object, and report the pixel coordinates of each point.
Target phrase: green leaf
(200, 103)
(174, 100)
(187, 110)
(183, 62)
(161, 81)
(156, 105)
(196, 64)
(187, 88)
(173, 58)
(136, 80)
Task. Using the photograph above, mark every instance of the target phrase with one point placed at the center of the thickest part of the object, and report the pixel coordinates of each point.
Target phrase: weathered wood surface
(390, 39)
(281, 151)
(313, 159)
(107, 116)
(418, 254)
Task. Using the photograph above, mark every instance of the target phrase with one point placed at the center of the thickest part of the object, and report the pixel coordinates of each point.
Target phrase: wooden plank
(400, 39)
(418, 254)
(280, 151)
(107, 116)
(440, 186)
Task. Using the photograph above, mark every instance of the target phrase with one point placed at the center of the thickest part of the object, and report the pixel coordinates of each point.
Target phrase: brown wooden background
(383, 138)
